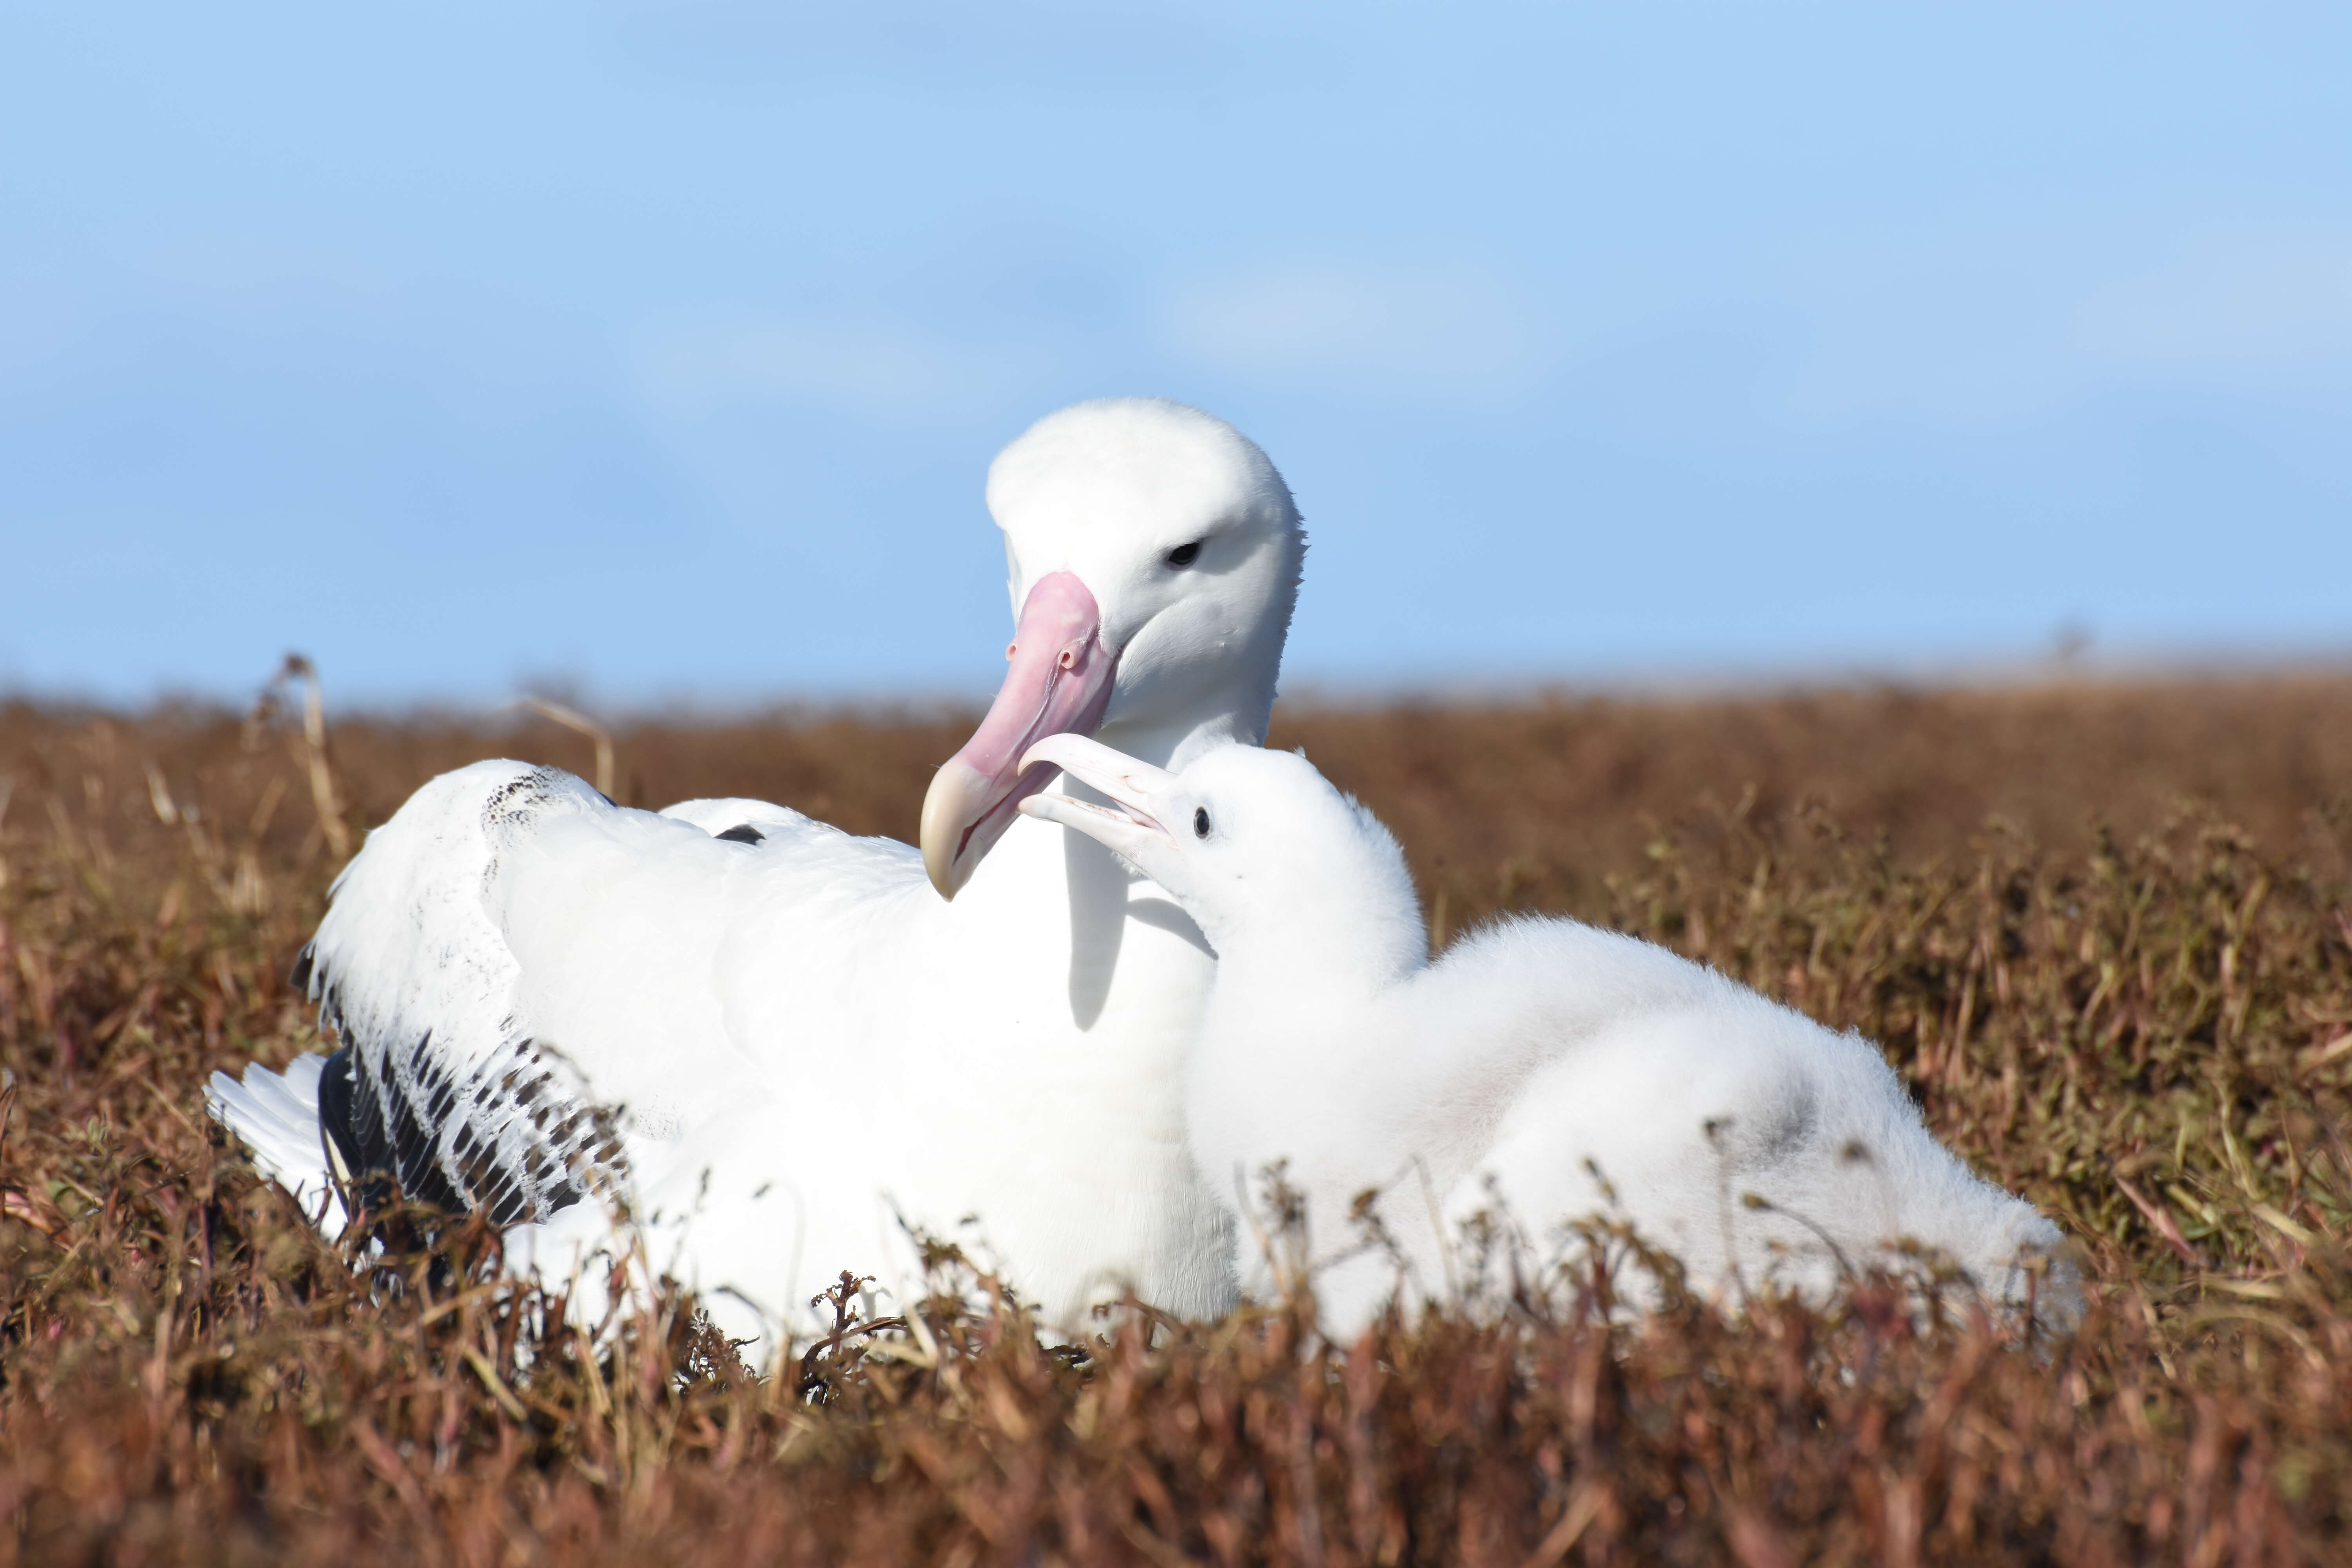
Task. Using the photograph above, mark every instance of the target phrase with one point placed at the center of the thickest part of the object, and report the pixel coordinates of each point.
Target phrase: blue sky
(662, 347)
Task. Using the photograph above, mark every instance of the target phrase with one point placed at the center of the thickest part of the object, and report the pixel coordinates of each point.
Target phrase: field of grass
(2103, 932)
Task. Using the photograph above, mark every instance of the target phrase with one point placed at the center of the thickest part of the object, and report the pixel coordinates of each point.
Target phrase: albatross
(785, 1048)
(1541, 1071)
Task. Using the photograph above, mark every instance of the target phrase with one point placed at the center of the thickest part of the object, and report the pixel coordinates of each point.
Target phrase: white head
(1268, 858)
(1153, 556)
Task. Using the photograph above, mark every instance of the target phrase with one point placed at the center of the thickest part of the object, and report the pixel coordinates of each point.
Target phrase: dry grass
(2144, 1025)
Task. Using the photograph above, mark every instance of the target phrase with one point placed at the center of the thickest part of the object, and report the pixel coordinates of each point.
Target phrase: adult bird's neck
(1172, 722)
(1173, 743)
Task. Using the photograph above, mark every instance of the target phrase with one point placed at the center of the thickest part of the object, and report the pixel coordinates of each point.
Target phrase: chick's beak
(1130, 826)
(1059, 683)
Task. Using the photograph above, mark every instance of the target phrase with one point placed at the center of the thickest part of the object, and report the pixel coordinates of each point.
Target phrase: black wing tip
(742, 832)
(337, 1090)
(298, 978)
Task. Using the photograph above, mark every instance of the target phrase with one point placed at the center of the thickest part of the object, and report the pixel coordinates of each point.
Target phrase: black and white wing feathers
(439, 1085)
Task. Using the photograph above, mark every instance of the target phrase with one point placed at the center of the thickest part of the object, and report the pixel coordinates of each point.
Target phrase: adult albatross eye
(1185, 554)
(1200, 822)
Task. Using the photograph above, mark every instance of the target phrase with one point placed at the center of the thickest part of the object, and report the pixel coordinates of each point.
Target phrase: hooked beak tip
(948, 819)
(943, 878)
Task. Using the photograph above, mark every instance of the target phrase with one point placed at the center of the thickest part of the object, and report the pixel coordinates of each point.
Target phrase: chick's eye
(1200, 822)
(1185, 554)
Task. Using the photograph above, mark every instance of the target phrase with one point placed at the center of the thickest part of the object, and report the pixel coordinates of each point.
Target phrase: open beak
(1059, 683)
(1130, 826)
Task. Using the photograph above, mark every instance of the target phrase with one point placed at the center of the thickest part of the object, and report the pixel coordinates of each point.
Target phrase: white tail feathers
(277, 1116)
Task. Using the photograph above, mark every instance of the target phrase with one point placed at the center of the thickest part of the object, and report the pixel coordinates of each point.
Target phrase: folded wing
(443, 1083)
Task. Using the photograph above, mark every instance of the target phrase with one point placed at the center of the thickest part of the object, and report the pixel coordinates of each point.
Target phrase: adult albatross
(813, 1040)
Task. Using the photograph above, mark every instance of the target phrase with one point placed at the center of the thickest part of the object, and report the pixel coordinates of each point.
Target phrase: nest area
(2101, 929)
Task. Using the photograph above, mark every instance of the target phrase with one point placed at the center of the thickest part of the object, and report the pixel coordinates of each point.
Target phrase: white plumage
(805, 1044)
(1501, 1076)
(277, 1114)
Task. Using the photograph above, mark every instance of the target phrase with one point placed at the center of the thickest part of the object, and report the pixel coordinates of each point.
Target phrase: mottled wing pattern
(438, 1085)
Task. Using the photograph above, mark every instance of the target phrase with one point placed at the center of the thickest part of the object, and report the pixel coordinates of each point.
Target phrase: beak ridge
(1060, 679)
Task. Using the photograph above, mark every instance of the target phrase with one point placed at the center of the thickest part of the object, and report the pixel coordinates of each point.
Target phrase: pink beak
(1059, 684)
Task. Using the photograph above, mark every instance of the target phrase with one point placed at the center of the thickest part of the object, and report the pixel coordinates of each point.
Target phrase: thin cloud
(1411, 329)
(880, 364)
(2233, 300)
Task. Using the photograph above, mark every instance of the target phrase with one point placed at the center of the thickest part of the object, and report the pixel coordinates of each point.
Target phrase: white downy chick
(1536, 1069)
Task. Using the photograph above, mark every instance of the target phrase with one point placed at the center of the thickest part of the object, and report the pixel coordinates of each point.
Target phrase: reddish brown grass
(2137, 1010)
